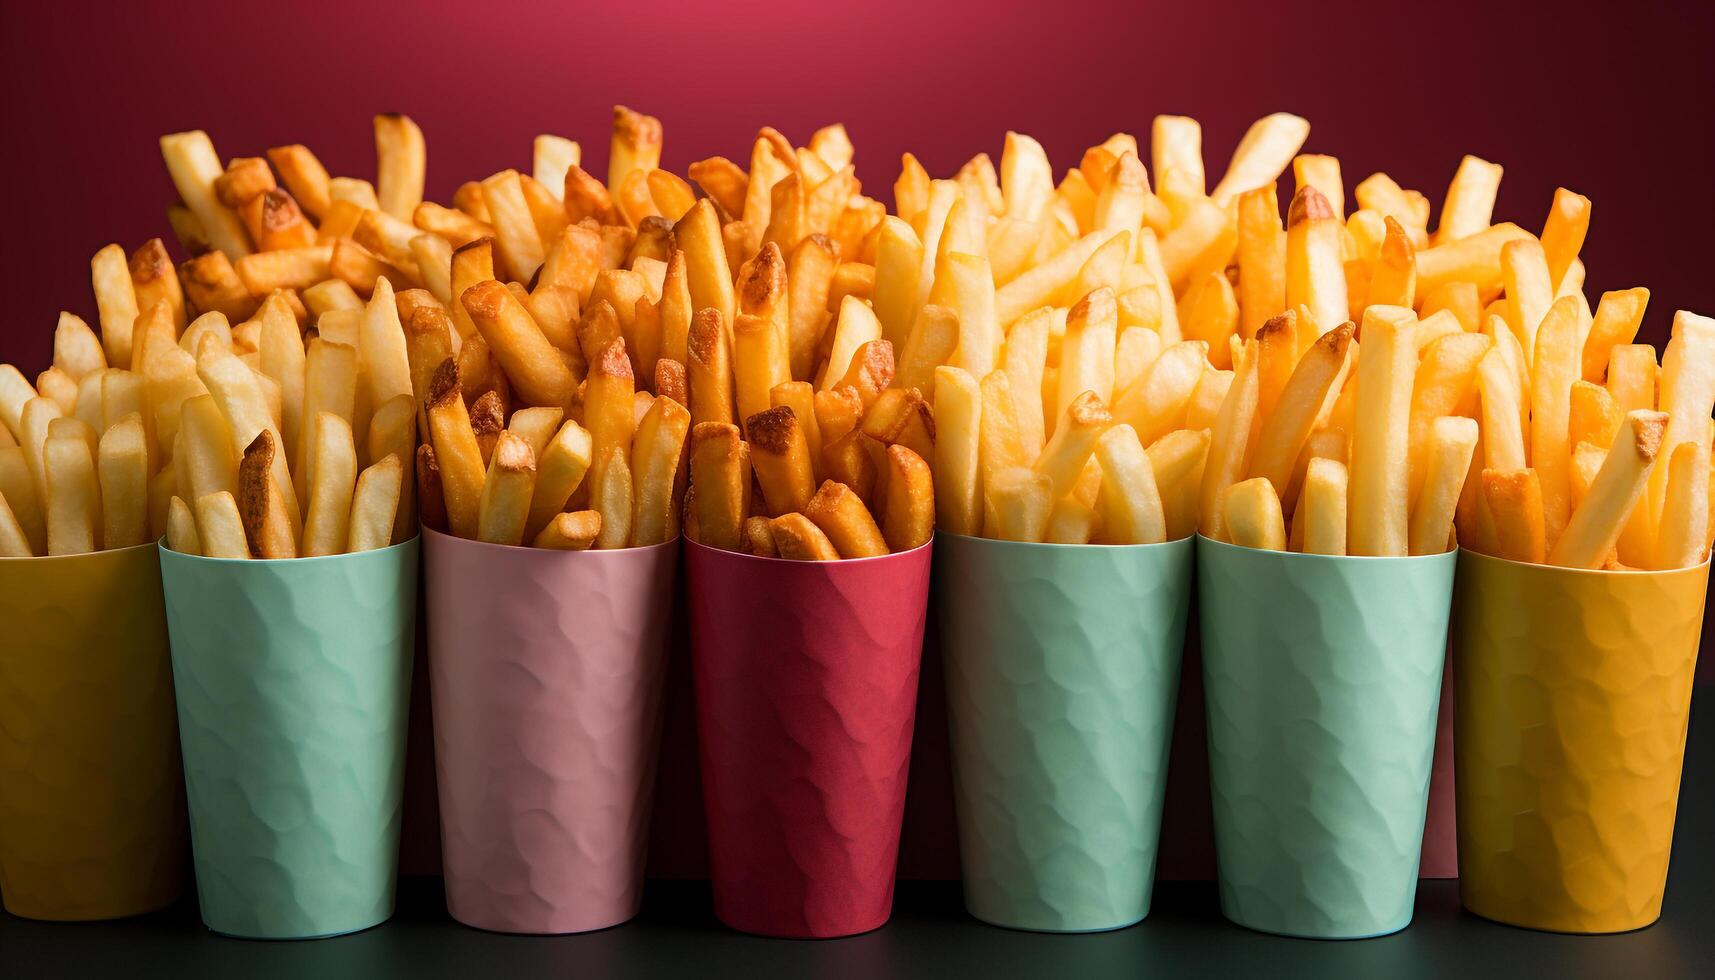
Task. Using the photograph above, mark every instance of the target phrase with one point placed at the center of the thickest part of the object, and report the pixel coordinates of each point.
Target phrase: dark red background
(1612, 100)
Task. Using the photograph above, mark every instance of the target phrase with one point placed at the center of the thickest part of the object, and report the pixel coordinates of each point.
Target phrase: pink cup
(545, 671)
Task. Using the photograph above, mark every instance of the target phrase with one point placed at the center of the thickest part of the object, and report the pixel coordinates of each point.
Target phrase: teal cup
(1322, 677)
(294, 681)
(1062, 667)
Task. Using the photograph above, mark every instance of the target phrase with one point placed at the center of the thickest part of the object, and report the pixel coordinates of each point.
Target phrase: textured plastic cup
(1062, 666)
(1574, 690)
(92, 813)
(806, 684)
(293, 681)
(1322, 677)
(546, 670)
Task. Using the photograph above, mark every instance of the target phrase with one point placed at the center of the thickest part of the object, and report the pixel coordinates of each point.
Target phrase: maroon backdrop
(1611, 101)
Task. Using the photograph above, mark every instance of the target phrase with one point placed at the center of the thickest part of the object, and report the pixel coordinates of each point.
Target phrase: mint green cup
(294, 680)
(1322, 677)
(1062, 667)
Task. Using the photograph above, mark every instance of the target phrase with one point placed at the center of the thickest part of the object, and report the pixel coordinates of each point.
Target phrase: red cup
(806, 680)
(546, 674)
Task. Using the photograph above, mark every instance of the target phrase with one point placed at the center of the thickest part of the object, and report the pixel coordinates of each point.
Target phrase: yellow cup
(1574, 689)
(92, 813)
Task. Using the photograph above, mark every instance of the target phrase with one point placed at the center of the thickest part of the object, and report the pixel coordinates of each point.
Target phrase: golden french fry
(194, 168)
(1287, 427)
(1130, 501)
(1315, 275)
(709, 371)
(1378, 507)
(1261, 258)
(505, 502)
(1021, 502)
(795, 538)
(487, 422)
(1683, 538)
(457, 453)
(1251, 515)
(115, 302)
(1081, 423)
(1623, 479)
(575, 531)
(122, 462)
(261, 503)
(720, 472)
(698, 235)
(842, 516)
(560, 469)
(1618, 316)
(236, 390)
(1445, 384)
(1514, 499)
(1475, 258)
(1230, 443)
(760, 361)
(656, 451)
(1687, 394)
(335, 454)
(611, 496)
(1267, 147)
(1524, 275)
(1470, 200)
(72, 496)
(1156, 404)
(515, 234)
(908, 516)
(958, 454)
(219, 528)
(1319, 523)
(1555, 368)
(77, 351)
(532, 364)
(400, 162)
(1447, 453)
(374, 505)
(1177, 462)
(780, 457)
(1041, 284)
(934, 338)
(182, 528)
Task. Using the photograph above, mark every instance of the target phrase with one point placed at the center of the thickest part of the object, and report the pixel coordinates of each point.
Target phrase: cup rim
(1546, 568)
(1450, 553)
(841, 563)
(84, 556)
(429, 533)
(1050, 545)
(181, 556)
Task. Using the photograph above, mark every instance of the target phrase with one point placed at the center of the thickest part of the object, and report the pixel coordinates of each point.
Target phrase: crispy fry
(908, 516)
(457, 454)
(760, 361)
(1683, 538)
(515, 238)
(698, 235)
(261, 503)
(487, 421)
(122, 463)
(570, 532)
(400, 162)
(656, 452)
(1267, 147)
(611, 496)
(532, 364)
(1230, 443)
(1287, 427)
(1556, 367)
(1470, 200)
(374, 504)
(1447, 454)
(71, 495)
(1379, 479)
(1251, 516)
(194, 167)
(1687, 393)
(505, 502)
(335, 454)
(1618, 316)
(1130, 502)
(431, 506)
(780, 457)
(220, 529)
(720, 471)
(1514, 499)
(304, 176)
(842, 516)
(1623, 479)
(796, 538)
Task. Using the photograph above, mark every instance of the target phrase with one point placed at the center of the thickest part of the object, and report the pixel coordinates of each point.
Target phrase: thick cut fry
(1268, 146)
(219, 527)
(1556, 367)
(1041, 284)
(1470, 200)
(1445, 384)
(698, 235)
(72, 499)
(1261, 259)
(116, 303)
(532, 364)
(760, 361)
(709, 371)
(1177, 462)
(842, 516)
(1503, 436)
(1683, 538)
(656, 451)
(570, 532)
(431, 506)
(611, 496)
(515, 235)
(1475, 259)
(1081, 425)
(123, 465)
(1252, 517)
(1514, 499)
(1230, 443)
(19, 486)
(182, 528)
(610, 416)
(1319, 524)
(1156, 404)
(1087, 350)
(1687, 393)
(1563, 232)
(208, 452)
(304, 176)
(194, 167)
(898, 263)
(400, 163)
(1378, 508)
(780, 457)
(1618, 316)
(958, 456)
(1447, 456)
(236, 390)
(457, 454)
(1394, 282)
(1524, 274)
(1286, 428)
(1212, 316)
(505, 504)
(1130, 501)
(796, 538)
(1593, 415)
(908, 516)
(1623, 479)
(1315, 275)
(720, 472)
(560, 469)
(487, 421)
(374, 505)
(335, 455)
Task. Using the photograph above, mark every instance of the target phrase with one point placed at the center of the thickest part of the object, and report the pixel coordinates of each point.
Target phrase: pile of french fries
(786, 369)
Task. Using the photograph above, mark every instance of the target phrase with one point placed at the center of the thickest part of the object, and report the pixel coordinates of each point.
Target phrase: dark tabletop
(930, 936)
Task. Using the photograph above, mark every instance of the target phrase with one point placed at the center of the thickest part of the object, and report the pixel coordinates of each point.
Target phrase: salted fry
(720, 472)
(505, 501)
(457, 453)
(796, 538)
(532, 364)
(656, 452)
(908, 516)
(842, 516)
